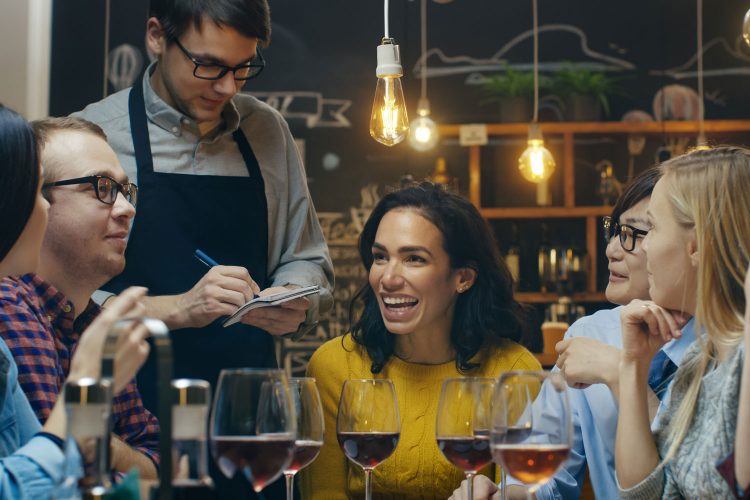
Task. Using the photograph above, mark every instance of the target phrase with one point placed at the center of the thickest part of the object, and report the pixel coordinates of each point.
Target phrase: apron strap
(139, 128)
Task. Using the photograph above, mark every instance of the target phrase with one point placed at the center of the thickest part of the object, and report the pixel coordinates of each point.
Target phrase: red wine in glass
(467, 453)
(262, 458)
(368, 449)
(305, 452)
(531, 463)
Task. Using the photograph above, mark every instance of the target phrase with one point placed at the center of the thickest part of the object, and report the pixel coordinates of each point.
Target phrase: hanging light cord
(423, 15)
(701, 109)
(385, 15)
(536, 61)
(106, 48)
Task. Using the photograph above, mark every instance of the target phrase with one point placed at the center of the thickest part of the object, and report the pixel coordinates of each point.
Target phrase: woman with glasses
(31, 456)
(438, 304)
(590, 351)
(698, 251)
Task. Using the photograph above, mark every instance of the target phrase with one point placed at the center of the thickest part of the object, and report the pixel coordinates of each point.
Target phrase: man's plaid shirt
(39, 327)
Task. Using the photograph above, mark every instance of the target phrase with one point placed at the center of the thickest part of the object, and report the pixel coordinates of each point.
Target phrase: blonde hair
(709, 192)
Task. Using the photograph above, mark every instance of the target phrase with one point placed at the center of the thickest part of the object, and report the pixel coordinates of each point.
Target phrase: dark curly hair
(19, 176)
(484, 315)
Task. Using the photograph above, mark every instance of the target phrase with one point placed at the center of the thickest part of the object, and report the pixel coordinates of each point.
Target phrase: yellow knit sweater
(417, 469)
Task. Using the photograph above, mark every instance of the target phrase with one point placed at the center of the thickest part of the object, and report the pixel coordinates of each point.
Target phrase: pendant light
(423, 132)
(536, 162)
(389, 123)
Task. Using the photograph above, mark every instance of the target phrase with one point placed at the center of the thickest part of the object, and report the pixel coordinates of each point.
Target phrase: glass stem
(531, 492)
(289, 485)
(368, 484)
(503, 484)
(470, 481)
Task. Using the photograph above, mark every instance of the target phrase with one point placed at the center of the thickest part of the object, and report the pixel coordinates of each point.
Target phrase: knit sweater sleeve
(325, 478)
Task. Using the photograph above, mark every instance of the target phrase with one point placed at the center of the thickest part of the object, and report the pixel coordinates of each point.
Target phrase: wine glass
(463, 424)
(529, 446)
(309, 428)
(368, 425)
(253, 424)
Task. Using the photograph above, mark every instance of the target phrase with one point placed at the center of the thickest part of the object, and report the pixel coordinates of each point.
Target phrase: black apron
(224, 216)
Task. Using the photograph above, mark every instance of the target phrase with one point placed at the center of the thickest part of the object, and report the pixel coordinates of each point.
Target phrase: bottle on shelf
(513, 256)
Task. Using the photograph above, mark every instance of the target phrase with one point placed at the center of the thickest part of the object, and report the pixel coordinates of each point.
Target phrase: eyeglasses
(216, 71)
(106, 188)
(627, 233)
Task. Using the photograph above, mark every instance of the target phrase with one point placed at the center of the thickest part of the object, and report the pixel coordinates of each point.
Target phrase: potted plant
(513, 91)
(584, 92)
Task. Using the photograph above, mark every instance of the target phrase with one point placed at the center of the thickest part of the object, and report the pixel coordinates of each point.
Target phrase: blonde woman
(697, 249)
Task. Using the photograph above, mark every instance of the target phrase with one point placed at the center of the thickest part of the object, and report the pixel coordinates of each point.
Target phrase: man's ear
(156, 41)
(466, 279)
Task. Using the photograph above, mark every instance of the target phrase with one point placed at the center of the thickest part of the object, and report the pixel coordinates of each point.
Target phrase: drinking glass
(309, 428)
(368, 425)
(253, 424)
(463, 424)
(527, 445)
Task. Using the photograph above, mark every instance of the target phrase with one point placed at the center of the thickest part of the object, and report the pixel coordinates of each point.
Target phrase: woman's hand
(646, 327)
(132, 348)
(484, 489)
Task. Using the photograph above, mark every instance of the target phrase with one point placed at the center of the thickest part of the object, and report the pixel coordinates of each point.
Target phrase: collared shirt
(40, 328)
(297, 252)
(594, 415)
(31, 465)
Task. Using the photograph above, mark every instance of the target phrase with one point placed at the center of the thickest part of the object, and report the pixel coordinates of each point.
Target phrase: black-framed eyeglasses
(106, 188)
(627, 233)
(216, 71)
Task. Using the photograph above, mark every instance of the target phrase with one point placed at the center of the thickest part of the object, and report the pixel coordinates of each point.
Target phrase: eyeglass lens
(107, 190)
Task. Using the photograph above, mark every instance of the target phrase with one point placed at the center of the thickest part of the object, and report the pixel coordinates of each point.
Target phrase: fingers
(231, 278)
(561, 346)
(275, 320)
(484, 489)
(124, 304)
(238, 273)
(300, 304)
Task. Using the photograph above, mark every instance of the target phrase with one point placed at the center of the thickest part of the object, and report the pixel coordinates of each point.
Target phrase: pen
(201, 256)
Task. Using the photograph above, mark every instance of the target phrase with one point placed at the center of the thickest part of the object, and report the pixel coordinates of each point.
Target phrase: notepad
(270, 300)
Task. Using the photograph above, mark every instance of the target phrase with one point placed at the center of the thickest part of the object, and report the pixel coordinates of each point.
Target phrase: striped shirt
(40, 327)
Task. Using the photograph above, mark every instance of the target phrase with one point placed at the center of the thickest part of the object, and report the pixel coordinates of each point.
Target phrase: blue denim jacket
(30, 466)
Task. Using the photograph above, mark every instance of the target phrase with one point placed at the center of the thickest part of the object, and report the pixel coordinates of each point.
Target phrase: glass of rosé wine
(526, 444)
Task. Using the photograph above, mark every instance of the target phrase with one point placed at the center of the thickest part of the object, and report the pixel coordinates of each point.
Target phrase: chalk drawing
(317, 111)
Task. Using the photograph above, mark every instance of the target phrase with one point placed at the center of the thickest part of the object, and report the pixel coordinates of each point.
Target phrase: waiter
(217, 171)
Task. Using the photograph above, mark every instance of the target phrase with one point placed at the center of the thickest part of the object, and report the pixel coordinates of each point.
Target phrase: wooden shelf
(668, 127)
(566, 163)
(543, 212)
(548, 298)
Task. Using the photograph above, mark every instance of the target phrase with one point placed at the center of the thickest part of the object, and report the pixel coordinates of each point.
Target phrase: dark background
(328, 47)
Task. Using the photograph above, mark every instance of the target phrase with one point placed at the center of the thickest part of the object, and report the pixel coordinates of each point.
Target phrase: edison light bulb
(423, 132)
(746, 27)
(536, 162)
(389, 122)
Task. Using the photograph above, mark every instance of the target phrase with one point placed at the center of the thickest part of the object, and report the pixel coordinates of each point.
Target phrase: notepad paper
(270, 300)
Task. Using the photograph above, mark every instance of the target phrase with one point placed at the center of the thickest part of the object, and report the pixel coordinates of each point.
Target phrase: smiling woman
(438, 304)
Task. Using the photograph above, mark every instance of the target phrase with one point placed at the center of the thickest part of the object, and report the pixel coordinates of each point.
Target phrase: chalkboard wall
(320, 74)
